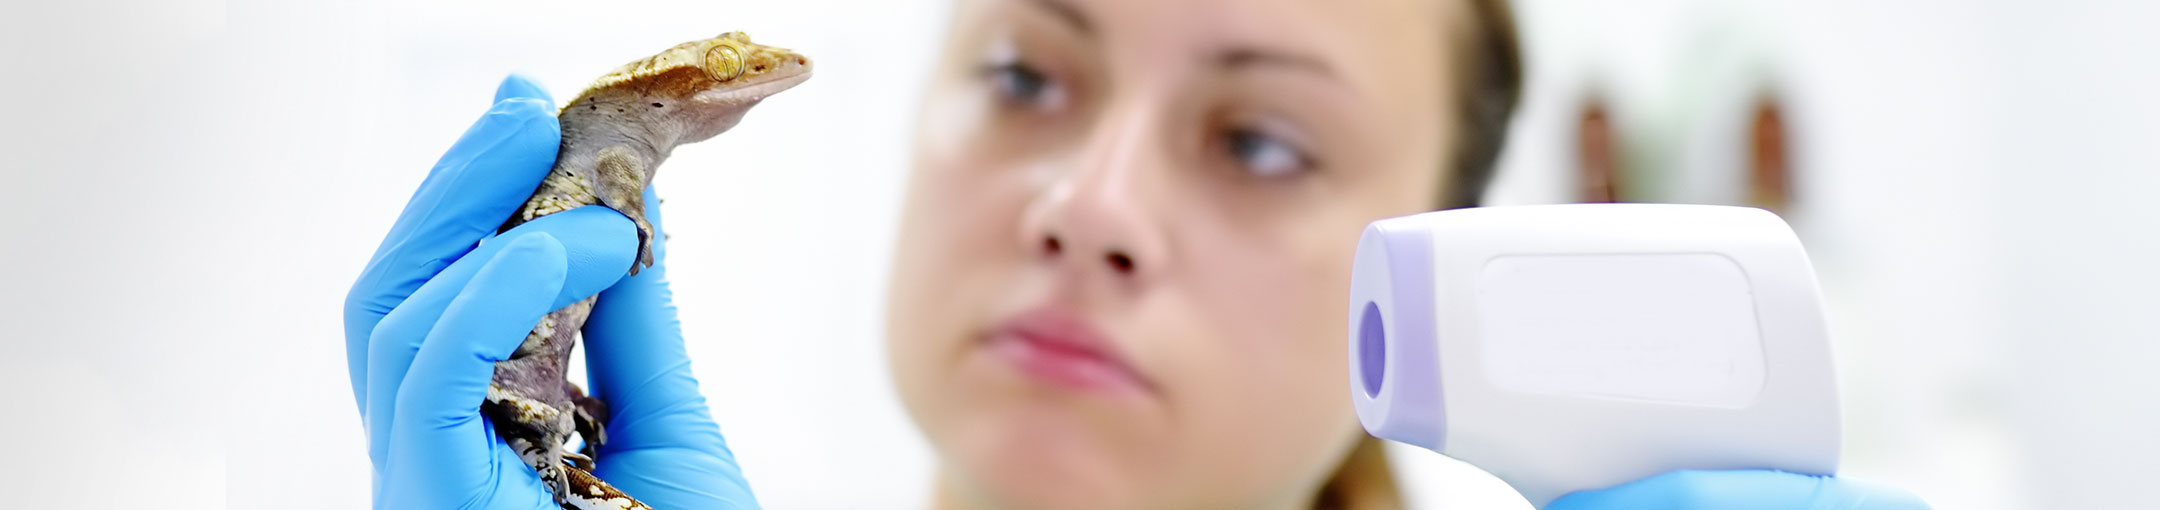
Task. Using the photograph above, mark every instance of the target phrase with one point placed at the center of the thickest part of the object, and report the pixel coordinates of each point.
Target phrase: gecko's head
(704, 86)
(737, 75)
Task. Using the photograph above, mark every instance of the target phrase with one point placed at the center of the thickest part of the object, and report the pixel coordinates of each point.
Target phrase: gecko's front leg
(621, 185)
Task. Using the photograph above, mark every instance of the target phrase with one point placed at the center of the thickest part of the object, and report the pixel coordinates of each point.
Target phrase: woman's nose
(1099, 218)
(1119, 260)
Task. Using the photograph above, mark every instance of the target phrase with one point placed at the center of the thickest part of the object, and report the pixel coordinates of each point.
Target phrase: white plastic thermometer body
(1573, 347)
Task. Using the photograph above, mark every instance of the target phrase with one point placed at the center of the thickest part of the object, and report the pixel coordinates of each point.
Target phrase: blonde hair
(1363, 481)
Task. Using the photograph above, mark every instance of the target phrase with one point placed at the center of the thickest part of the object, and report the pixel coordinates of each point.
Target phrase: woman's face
(1128, 235)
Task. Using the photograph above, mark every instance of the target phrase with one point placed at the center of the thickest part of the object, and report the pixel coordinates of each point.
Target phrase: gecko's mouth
(771, 84)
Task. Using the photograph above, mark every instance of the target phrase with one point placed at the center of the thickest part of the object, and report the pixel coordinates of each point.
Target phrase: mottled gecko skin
(613, 137)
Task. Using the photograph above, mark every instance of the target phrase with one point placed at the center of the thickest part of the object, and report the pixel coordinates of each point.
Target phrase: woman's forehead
(1362, 40)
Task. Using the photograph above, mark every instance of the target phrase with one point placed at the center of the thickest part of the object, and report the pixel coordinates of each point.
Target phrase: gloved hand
(433, 312)
(1752, 489)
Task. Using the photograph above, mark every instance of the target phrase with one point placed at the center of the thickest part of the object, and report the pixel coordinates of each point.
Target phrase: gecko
(615, 134)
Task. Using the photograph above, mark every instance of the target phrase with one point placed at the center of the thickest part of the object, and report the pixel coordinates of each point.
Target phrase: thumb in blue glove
(663, 445)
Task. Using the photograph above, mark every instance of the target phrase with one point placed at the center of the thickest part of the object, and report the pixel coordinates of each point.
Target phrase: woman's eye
(1020, 84)
(1265, 155)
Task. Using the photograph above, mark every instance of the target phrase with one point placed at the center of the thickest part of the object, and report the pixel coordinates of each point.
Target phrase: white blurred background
(198, 182)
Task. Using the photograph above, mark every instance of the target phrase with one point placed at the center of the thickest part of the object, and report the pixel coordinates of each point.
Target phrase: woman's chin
(1013, 443)
(1038, 460)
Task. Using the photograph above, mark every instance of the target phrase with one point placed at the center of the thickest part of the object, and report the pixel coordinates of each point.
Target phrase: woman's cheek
(952, 244)
(1271, 310)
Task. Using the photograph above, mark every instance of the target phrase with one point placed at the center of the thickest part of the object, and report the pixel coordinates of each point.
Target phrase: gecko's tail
(588, 492)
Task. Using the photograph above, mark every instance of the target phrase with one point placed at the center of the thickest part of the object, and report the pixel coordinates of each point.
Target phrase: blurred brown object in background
(1769, 168)
(1596, 154)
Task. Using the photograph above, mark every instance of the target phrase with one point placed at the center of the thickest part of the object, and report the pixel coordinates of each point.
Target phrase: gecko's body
(613, 137)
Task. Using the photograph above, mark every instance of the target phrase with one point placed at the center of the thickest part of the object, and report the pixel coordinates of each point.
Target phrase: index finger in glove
(471, 191)
(598, 244)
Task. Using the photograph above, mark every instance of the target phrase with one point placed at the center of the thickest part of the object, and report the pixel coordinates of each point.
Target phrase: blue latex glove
(1751, 489)
(433, 312)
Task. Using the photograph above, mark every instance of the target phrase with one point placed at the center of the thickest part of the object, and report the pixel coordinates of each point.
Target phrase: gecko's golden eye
(724, 62)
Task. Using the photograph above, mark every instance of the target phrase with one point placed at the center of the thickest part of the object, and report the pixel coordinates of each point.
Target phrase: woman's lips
(1061, 349)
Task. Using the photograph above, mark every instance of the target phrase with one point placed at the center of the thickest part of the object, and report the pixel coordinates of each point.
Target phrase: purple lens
(1372, 348)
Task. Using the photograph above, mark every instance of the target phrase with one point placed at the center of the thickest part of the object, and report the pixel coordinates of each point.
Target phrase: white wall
(1973, 183)
(199, 181)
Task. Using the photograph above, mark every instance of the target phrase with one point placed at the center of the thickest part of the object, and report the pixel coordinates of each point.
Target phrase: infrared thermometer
(1572, 347)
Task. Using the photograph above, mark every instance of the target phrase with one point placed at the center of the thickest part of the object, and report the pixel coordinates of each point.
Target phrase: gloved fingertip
(521, 109)
(537, 255)
(1693, 489)
(1867, 495)
(600, 245)
(1682, 489)
(516, 141)
(518, 86)
(529, 267)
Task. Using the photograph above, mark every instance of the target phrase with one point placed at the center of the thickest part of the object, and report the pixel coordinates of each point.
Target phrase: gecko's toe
(645, 246)
(645, 259)
(579, 460)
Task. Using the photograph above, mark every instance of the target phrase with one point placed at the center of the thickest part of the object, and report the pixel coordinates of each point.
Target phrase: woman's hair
(1489, 73)
(1488, 67)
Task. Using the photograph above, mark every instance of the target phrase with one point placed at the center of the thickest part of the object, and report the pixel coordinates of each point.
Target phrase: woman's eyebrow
(1239, 58)
(1069, 14)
